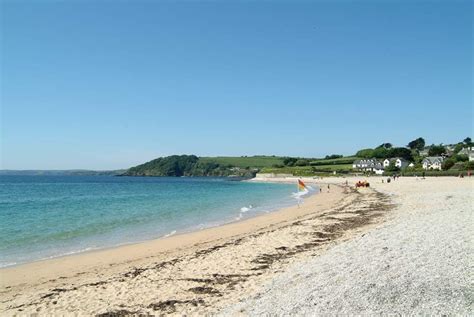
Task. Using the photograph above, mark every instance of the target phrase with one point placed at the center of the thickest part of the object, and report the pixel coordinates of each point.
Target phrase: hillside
(314, 167)
(243, 166)
(191, 165)
(248, 166)
(259, 161)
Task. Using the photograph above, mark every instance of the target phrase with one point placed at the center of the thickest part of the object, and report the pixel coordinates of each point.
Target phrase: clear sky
(111, 84)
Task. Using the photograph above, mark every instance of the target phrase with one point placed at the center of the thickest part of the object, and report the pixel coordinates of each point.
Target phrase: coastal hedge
(450, 172)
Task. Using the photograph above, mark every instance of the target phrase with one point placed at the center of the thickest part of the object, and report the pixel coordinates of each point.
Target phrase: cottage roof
(392, 159)
(433, 159)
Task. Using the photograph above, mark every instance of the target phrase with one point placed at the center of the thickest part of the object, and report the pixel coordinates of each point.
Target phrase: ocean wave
(7, 264)
(169, 234)
(44, 223)
(245, 209)
(299, 195)
(40, 258)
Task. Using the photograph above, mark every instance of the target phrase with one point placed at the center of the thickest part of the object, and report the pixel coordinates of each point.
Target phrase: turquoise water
(48, 216)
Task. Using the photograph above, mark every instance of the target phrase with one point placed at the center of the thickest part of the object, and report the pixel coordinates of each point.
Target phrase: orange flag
(301, 185)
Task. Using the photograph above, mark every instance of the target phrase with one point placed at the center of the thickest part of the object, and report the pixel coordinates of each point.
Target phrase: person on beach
(328, 188)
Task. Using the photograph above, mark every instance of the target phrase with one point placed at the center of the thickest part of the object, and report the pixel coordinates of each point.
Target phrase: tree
(400, 152)
(467, 140)
(458, 147)
(447, 164)
(460, 158)
(386, 145)
(392, 168)
(436, 150)
(333, 156)
(365, 153)
(381, 152)
(302, 162)
(417, 144)
(289, 161)
(417, 159)
(470, 165)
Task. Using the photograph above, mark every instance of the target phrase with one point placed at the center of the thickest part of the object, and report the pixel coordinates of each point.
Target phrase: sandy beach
(327, 247)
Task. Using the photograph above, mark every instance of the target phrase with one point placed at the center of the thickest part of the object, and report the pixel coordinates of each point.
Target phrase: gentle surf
(49, 216)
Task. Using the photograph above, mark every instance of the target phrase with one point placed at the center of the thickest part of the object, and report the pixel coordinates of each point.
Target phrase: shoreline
(171, 233)
(198, 273)
(135, 251)
(346, 244)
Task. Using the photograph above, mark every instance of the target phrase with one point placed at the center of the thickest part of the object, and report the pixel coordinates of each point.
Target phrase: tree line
(185, 165)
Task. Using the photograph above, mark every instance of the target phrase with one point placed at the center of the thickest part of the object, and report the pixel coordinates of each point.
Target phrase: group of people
(321, 189)
(394, 177)
(362, 184)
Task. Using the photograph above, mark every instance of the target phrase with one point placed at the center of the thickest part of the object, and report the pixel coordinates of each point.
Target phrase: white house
(401, 162)
(432, 162)
(465, 151)
(379, 171)
(398, 161)
(368, 165)
(469, 151)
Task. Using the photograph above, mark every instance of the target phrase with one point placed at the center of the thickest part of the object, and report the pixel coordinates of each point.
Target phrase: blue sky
(111, 84)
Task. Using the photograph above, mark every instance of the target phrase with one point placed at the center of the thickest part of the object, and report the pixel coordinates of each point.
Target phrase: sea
(43, 217)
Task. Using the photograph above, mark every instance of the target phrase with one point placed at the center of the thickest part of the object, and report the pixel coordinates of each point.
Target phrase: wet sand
(195, 273)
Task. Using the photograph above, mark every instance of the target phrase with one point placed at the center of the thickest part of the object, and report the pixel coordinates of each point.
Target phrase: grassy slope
(266, 164)
(319, 166)
(342, 160)
(244, 162)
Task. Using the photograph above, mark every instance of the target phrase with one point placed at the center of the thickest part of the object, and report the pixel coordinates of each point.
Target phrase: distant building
(469, 151)
(379, 171)
(368, 165)
(398, 161)
(432, 162)
(450, 147)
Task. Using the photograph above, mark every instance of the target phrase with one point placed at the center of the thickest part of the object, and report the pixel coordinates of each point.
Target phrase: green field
(318, 167)
(295, 170)
(310, 170)
(339, 161)
(267, 164)
(244, 161)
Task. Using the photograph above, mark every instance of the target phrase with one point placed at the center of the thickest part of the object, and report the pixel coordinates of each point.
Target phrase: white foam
(245, 209)
(300, 194)
(169, 234)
